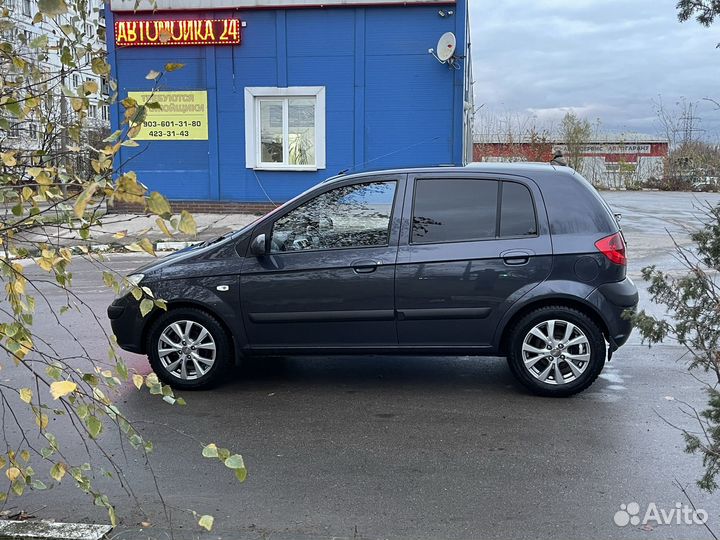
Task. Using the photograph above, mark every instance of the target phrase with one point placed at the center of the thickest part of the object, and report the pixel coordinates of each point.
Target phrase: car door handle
(365, 267)
(515, 257)
(516, 261)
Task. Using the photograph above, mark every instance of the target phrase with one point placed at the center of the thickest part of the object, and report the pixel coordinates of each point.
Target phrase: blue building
(276, 95)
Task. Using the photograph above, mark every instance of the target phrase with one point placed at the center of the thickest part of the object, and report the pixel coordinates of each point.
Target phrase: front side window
(285, 128)
(454, 210)
(346, 217)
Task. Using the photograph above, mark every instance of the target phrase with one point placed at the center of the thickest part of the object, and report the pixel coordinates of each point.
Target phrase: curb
(50, 530)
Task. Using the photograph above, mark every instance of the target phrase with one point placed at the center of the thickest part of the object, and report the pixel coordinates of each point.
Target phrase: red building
(608, 160)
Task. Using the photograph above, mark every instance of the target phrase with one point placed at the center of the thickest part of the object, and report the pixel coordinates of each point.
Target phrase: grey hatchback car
(520, 260)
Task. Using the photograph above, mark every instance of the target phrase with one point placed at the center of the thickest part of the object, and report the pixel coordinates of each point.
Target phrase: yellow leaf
(78, 104)
(43, 179)
(18, 286)
(41, 419)
(163, 227)
(62, 388)
(13, 473)
(187, 223)
(45, 264)
(128, 189)
(25, 455)
(120, 234)
(84, 199)
(8, 158)
(146, 306)
(146, 245)
(26, 395)
(58, 471)
(206, 522)
(138, 381)
(158, 204)
(152, 75)
(90, 87)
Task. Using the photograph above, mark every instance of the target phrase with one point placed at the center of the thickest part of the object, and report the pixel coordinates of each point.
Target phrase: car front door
(469, 247)
(327, 280)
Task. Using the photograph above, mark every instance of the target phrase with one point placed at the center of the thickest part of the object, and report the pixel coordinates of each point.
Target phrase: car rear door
(328, 280)
(470, 245)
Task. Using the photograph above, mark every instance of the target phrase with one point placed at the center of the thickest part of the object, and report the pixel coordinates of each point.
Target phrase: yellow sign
(182, 116)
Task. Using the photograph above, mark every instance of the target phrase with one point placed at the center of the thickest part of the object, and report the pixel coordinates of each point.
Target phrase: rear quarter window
(575, 207)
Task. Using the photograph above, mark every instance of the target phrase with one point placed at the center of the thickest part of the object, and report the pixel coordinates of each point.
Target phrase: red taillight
(613, 247)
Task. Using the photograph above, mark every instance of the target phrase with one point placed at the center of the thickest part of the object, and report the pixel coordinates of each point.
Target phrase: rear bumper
(127, 324)
(612, 300)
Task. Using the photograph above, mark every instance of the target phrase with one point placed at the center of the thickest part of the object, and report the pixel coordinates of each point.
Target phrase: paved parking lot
(377, 447)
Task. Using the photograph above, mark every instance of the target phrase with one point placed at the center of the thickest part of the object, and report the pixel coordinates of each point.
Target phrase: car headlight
(131, 281)
(135, 279)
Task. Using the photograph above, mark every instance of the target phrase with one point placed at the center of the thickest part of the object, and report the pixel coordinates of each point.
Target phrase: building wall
(388, 102)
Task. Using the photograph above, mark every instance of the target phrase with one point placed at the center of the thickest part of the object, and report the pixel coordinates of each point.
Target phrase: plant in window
(301, 147)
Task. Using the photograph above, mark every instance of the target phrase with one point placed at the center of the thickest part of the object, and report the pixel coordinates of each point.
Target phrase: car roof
(518, 168)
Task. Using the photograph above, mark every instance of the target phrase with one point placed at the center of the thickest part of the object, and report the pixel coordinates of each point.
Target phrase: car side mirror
(258, 246)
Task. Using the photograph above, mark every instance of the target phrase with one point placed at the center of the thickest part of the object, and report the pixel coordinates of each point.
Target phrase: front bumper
(612, 300)
(127, 323)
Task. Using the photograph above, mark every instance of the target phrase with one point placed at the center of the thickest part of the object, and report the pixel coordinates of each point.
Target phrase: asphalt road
(377, 447)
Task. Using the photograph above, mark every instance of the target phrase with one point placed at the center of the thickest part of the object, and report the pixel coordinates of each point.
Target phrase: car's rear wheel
(556, 351)
(188, 349)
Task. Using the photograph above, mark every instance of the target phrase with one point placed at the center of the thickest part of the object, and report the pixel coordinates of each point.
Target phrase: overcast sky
(606, 59)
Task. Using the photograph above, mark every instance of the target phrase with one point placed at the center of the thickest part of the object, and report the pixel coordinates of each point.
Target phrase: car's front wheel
(556, 351)
(188, 349)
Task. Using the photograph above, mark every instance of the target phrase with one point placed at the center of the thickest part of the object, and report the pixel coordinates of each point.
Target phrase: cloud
(606, 59)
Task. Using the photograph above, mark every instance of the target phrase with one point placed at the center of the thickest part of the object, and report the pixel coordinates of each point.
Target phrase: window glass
(301, 131)
(517, 215)
(287, 131)
(454, 210)
(271, 131)
(349, 216)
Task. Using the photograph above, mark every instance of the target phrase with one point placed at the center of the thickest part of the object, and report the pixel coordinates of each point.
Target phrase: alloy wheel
(186, 350)
(556, 352)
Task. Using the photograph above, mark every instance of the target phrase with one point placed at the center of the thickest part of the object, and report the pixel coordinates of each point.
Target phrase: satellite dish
(446, 46)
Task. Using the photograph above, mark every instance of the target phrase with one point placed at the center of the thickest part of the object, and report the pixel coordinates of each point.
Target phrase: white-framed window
(27, 7)
(285, 128)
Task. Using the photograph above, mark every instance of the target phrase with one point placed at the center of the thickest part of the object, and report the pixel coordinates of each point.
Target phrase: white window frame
(252, 125)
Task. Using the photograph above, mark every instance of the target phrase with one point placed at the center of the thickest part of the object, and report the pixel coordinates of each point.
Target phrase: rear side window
(517, 214)
(454, 210)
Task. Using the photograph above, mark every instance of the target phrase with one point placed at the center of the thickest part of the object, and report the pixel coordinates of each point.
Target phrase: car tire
(556, 342)
(188, 349)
